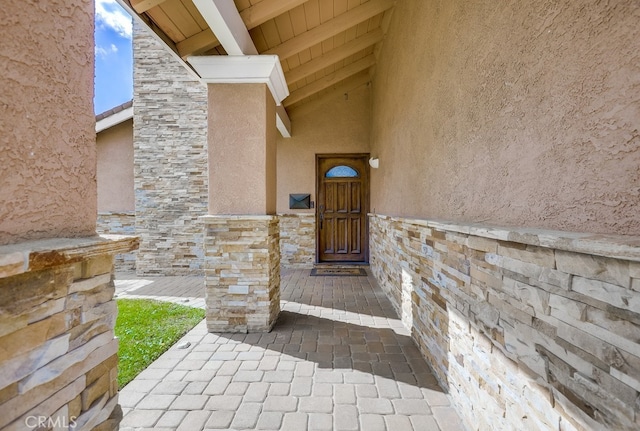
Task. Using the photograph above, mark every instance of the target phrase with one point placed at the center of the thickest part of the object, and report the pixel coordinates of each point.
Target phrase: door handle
(321, 210)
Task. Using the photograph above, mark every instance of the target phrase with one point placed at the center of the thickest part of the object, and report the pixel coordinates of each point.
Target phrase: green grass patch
(146, 329)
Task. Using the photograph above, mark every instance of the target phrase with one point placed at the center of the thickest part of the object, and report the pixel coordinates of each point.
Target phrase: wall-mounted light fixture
(374, 162)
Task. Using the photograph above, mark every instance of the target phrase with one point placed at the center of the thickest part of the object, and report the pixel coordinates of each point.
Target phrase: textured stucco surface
(510, 114)
(115, 168)
(337, 122)
(47, 135)
(242, 144)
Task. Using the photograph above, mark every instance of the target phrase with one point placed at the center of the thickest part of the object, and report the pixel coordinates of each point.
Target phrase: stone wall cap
(117, 213)
(302, 213)
(41, 254)
(215, 218)
(615, 246)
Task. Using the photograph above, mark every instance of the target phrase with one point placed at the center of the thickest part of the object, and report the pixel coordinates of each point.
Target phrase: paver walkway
(338, 359)
(179, 290)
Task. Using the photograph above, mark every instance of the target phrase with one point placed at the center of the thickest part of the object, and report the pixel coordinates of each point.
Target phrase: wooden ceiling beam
(328, 81)
(330, 28)
(333, 56)
(343, 87)
(142, 6)
(252, 17)
(197, 44)
(235, 39)
(267, 9)
(158, 34)
(222, 16)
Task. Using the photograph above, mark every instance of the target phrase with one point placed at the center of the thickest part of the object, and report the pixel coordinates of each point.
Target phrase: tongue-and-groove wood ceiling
(319, 42)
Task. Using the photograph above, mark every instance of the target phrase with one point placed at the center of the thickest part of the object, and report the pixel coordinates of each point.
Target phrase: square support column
(241, 237)
(241, 149)
(242, 273)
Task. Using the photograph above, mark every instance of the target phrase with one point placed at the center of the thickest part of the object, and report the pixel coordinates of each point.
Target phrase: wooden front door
(342, 207)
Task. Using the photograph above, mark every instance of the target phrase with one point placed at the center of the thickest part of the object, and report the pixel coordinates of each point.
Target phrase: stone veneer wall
(297, 240)
(527, 329)
(242, 275)
(58, 351)
(119, 223)
(170, 160)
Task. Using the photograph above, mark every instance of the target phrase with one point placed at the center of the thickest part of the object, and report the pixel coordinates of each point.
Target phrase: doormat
(338, 272)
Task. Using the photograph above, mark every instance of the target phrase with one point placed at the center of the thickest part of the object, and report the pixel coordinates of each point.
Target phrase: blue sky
(114, 58)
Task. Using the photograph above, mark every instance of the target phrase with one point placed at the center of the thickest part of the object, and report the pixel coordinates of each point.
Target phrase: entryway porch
(338, 358)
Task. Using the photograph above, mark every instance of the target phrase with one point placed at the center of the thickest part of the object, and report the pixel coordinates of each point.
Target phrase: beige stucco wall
(510, 114)
(242, 141)
(115, 168)
(47, 135)
(336, 122)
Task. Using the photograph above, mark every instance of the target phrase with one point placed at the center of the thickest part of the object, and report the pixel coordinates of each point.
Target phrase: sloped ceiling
(319, 42)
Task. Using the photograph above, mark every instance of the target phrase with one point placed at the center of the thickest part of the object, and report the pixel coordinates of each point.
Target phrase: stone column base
(59, 353)
(242, 272)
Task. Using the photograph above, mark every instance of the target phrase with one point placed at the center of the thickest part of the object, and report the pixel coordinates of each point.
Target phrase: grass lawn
(146, 329)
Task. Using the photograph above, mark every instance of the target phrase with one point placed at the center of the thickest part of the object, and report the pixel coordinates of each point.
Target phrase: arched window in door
(342, 171)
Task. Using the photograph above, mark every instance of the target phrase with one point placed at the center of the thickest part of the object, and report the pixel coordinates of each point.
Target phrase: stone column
(242, 257)
(57, 315)
(242, 272)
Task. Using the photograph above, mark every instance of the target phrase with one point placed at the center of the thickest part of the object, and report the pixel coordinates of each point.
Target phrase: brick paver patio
(338, 359)
(180, 290)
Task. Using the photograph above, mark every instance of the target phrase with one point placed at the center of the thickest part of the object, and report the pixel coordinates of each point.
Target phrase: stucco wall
(510, 114)
(57, 313)
(337, 122)
(47, 174)
(115, 168)
(241, 140)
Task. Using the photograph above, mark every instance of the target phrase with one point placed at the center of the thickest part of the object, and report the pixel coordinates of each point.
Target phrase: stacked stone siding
(297, 240)
(58, 350)
(119, 223)
(170, 160)
(242, 274)
(526, 329)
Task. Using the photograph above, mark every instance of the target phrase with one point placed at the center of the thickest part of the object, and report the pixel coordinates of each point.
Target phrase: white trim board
(114, 119)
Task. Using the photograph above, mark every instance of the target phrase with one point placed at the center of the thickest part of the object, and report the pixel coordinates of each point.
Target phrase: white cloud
(103, 52)
(110, 14)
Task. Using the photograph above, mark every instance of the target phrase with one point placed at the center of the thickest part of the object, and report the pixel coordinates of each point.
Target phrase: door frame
(365, 199)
